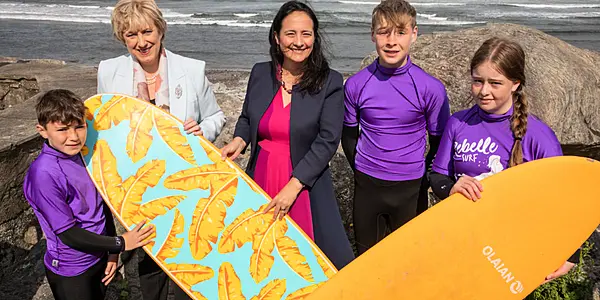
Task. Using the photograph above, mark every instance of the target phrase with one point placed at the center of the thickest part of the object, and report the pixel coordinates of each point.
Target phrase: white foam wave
(245, 15)
(83, 6)
(71, 19)
(546, 15)
(412, 3)
(432, 17)
(555, 6)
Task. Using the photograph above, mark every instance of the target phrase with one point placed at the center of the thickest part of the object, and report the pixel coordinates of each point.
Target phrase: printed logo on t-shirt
(479, 157)
(55, 263)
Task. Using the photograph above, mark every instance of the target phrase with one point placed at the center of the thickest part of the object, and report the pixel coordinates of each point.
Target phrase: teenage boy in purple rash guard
(396, 104)
(496, 133)
(82, 249)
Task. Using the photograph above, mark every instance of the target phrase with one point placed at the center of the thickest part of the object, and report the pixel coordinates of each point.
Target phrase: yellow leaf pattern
(171, 246)
(158, 207)
(92, 105)
(244, 228)
(114, 111)
(327, 268)
(190, 274)
(150, 245)
(288, 250)
(105, 173)
(214, 156)
(198, 295)
(303, 292)
(199, 177)
(207, 224)
(170, 133)
(85, 150)
(272, 291)
(261, 260)
(230, 287)
(147, 176)
(209, 216)
(139, 138)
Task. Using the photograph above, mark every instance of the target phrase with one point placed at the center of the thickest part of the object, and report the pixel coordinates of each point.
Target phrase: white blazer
(190, 94)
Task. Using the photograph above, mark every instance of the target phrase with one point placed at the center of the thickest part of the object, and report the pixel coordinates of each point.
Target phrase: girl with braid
(496, 133)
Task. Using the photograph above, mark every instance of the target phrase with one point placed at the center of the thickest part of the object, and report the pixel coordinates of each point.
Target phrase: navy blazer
(316, 122)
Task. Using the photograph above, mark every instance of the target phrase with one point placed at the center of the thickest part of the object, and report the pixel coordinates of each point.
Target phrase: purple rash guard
(395, 108)
(62, 195)
(478, 144)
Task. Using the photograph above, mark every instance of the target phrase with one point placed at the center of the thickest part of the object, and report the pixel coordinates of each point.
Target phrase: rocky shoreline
(565, 84)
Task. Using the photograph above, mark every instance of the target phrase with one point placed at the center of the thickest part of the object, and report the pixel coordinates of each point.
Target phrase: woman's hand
(111, 268)
(192, 127)
(233, 149)
(285, 198)
(469, 187)
(564, 269)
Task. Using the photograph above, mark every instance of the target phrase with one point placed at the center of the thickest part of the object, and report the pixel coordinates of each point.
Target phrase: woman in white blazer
(172, 82)
(175, 83)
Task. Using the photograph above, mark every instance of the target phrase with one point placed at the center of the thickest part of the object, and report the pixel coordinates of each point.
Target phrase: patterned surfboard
(211, 236)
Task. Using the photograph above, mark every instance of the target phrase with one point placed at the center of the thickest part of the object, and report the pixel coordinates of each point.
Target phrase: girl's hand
(285, 198)
(233, 149)
(469, 187)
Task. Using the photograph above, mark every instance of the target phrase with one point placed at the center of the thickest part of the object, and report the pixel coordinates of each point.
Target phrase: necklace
(282, 82)
(151, 79)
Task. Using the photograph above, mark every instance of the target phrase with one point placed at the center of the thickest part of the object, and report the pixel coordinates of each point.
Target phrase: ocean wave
(412, 3)
(83, 6)
(245, 15)
(431, 17)
(553, 6)
(76, 18)
(70, 19)
(545, 15)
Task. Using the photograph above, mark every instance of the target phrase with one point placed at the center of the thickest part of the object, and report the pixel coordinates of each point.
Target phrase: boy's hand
(136, 237)
(111, 268)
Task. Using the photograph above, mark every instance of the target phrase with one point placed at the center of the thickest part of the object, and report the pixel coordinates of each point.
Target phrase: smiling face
(392, 43)
(493, 92)
(296, 37)
(68, 139)
(145, 45)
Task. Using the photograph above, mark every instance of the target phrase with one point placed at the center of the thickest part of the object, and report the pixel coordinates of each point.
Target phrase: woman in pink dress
(292, 119)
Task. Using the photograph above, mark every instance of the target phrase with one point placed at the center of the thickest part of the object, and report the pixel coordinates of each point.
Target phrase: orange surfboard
(530, 219)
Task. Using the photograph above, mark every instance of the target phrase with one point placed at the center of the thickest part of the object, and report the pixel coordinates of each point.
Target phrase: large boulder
(563, 81)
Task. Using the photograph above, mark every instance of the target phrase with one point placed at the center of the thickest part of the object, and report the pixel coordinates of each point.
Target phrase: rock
(16, 90)
(563, 80)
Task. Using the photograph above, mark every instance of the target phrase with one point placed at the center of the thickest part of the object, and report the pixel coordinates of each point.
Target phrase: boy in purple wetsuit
(397, 106)
(82, 249)
(496, 133)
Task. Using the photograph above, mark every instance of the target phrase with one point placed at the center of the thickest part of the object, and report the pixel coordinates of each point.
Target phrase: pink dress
(274, 165)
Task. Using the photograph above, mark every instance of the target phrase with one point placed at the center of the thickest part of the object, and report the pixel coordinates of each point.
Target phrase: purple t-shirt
(478, 144)
(395, 108)
(62, 195)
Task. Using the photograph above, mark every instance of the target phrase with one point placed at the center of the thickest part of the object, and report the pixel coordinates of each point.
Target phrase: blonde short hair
(395, 13)
(134, 15)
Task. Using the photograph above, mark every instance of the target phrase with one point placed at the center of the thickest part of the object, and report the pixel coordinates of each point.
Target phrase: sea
(234, 34)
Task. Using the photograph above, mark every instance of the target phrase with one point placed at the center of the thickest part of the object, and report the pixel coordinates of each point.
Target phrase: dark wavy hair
(316, 68)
